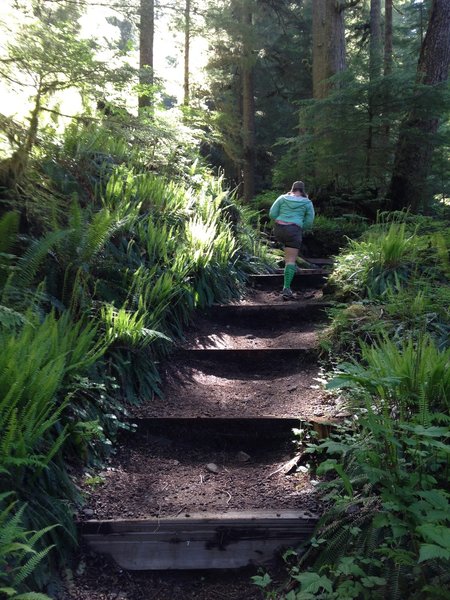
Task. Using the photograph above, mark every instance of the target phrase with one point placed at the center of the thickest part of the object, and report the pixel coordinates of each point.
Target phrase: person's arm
(309, 216)
(275, 209)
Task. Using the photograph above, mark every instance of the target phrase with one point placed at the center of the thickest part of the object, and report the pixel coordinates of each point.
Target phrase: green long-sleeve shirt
(293, 209)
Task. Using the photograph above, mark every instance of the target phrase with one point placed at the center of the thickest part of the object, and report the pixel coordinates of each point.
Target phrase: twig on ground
(229, 495)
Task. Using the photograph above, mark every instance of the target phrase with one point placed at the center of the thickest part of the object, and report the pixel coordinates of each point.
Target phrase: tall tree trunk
(387, 70)
(416, 141)
(375, 55)
(187, 47)
(328, 60)
(146, 37)
(13, 168)
(388, 47)
(248, 114)
(328, 44)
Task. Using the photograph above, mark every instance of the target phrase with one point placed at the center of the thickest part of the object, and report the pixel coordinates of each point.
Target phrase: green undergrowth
(103, 262)
(393, 279)
(385, 530)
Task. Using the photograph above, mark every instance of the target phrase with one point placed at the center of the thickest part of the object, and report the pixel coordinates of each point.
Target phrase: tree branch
(344, 4)
(395, 7)
(78, 117)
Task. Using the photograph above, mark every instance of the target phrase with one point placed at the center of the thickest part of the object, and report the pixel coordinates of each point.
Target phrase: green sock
(289, 272)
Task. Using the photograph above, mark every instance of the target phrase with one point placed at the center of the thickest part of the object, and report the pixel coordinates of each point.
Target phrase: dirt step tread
(153, 476)
(205, 333)
(258, 313)
(210, 388)
(273, 300)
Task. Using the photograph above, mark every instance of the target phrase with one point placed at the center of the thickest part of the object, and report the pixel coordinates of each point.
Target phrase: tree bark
(146, 38)
(12, 169)
(375, 38)
(387, 69)
(328, 44)
(416, 141)
(388, 47)
(375, 55)
(187, 47)
(248, 115)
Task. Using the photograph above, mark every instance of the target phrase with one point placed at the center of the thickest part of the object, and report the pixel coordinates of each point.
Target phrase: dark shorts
(288, 235)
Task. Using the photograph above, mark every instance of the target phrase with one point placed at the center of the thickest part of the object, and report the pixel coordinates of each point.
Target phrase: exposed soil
(207, 334)
(214, 389)
(255, 296)
(155, 476)
(99, 578)
(232, 387)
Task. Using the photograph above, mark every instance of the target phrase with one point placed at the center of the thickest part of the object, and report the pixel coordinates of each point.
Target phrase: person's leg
(290, 256)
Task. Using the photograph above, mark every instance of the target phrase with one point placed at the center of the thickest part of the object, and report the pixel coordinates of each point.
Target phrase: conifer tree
(248, 104)
(375, 63)
(408, 187)
(146, 40)
(329, 55)
(187, 48)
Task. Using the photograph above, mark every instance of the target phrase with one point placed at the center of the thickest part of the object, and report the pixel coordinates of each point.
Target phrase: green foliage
(401, 376)
(381, 262)
(331, 234)
(10, 319)
(47, 55)
(9, 225)
(387, 258)
(279, 35)
(18, 557)
(389, 514)
(346, 140)
(385, 531)
(123, 327)
(397, 277)
(92, 300)
(38, 365)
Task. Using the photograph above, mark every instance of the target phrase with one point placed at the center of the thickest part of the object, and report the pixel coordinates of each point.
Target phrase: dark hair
(299, 186)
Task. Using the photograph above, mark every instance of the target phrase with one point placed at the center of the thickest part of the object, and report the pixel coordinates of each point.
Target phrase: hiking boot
(287, 294)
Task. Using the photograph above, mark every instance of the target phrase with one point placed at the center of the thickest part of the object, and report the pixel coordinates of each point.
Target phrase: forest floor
(157, 475)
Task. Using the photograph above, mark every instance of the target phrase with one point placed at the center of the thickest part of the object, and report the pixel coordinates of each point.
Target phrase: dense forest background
(349, 95)
(141, 144)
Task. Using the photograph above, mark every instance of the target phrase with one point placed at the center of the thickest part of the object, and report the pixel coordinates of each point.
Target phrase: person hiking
(293, 212)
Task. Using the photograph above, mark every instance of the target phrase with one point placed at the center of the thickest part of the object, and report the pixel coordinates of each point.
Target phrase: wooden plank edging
(193, 541)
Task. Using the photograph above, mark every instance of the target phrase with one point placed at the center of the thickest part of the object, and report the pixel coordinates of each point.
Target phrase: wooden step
(319, 261)
(196, 541)
(254, 314)
(250, 430)
(248, 356)
(304, 278)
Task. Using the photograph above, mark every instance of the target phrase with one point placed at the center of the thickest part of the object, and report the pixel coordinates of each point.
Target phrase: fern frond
(27, 569)
(29, 263)
(11, 319)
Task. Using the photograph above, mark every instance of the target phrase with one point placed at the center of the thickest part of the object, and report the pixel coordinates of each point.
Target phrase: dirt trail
(163, 474)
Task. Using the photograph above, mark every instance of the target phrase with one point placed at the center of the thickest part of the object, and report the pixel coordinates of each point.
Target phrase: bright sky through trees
(94, 24)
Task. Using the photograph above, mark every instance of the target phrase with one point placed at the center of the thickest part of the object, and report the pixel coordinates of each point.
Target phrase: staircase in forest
(211, 479)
